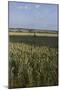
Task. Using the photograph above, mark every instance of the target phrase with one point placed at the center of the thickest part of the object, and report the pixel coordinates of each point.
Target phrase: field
(33, 59)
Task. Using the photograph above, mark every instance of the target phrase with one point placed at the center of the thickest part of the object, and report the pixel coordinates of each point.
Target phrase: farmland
(33, 59)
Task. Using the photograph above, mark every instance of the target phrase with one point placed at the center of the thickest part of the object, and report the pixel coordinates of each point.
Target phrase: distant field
(51, 34)
(33, 59)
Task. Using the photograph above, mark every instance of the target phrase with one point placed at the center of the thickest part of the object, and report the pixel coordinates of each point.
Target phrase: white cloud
(26, 7)
(20, 7)
(23, 7)
(37, 6)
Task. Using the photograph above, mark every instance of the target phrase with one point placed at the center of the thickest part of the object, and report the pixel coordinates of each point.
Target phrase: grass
(33, 61)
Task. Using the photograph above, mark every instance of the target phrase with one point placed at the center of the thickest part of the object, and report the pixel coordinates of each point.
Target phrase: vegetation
(33, 61)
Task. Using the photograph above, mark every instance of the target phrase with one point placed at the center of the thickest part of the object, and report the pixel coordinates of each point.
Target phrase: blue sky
(32, 15)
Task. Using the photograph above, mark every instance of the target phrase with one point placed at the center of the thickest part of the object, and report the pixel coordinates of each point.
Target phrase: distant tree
(30, 30)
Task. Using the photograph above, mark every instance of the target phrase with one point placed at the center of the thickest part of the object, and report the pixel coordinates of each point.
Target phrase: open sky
(33, 15)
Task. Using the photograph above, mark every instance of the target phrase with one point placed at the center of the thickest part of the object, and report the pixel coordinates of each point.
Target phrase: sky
(32, 15)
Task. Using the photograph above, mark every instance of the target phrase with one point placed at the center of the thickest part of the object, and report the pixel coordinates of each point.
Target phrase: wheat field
(33, 60)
